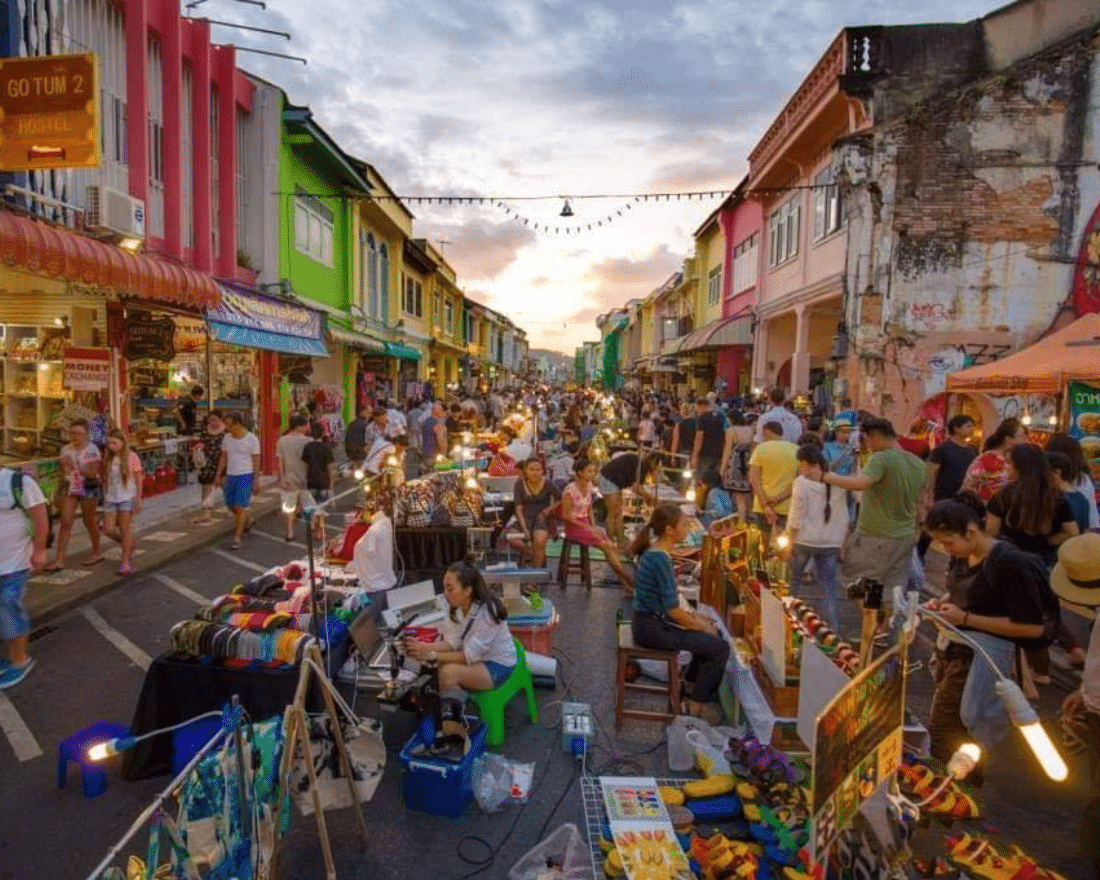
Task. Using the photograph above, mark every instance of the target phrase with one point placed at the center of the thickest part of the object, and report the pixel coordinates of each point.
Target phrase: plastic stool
(491, 704)
(93, 774)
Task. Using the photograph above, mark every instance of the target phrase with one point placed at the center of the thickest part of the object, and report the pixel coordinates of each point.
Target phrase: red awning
(59, 253)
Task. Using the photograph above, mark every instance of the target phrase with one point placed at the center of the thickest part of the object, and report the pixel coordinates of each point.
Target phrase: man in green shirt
(892, 483)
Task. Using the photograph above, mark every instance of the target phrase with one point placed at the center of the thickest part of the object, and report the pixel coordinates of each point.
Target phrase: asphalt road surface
(90, 666)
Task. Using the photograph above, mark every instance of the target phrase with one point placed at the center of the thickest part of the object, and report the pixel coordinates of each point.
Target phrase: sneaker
(236, 545)
(12, 675)
(126, 568)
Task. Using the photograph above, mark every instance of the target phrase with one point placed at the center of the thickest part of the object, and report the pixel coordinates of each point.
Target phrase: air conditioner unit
(112, 211)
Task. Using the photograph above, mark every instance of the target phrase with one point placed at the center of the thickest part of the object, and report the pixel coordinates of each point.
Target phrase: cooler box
(536, 639)
(432, 785)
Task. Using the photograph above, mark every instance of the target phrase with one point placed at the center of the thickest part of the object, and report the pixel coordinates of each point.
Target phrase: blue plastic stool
(93, 774)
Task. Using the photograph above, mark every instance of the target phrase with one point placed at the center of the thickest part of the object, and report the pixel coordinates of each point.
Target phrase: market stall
(1050, 385)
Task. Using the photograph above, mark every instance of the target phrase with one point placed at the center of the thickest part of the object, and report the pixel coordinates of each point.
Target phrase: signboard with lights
(49, 112)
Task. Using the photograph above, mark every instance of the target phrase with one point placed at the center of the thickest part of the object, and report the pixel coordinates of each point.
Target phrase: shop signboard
(266, 315)
(86, 369)
(149, 337)
(49, 112)
(857, 747)
(1084, 421)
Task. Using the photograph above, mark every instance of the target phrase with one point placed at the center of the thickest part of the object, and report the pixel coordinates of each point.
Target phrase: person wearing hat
(1076, 578)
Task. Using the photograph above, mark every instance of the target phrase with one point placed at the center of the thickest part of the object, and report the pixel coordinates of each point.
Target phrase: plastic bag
(498, 781)
(709, 760)
(564, 850)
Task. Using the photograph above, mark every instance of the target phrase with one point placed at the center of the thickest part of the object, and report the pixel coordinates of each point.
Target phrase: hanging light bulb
(566, 211)
(359, 473)
(964, 760)
(687, 473)
(1053, 421)
(1026, 420)
(783, 541)
(690, 494)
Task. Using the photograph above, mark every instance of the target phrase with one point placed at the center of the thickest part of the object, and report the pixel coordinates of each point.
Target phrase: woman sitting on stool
(576, 513)
(659, 621)
(477, 653)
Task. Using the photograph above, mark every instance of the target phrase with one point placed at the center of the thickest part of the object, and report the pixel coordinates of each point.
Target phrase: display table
(427, 552)
(176, 689)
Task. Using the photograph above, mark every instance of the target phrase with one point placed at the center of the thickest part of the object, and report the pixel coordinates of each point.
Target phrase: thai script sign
(270, 316)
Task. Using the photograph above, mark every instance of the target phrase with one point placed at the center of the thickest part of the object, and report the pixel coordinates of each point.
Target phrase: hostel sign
(49, 112)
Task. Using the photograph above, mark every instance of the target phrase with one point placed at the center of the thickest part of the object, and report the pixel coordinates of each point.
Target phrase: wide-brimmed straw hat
(1076, 577)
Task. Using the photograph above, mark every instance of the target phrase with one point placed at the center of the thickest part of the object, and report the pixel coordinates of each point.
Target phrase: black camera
(866, 590)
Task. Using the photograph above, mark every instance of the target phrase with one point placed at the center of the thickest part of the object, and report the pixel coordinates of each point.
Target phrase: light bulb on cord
(687, 473)
(359, 473)
(471, 482)
(1024, 716)
(104, 750)
(290, 506)
(690, 494)
(1052, 421)
(964, 760)
(783, 541)
(1026, 420)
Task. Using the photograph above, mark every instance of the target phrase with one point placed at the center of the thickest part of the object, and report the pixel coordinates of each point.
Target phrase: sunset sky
(522, 98)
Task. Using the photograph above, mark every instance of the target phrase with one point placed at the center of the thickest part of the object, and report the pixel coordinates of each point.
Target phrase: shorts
(605, 486)
(883, 559)
(237, 490)
(14, 621)
(320, 496)
(126, 506)
(295, 500)
(498, 672)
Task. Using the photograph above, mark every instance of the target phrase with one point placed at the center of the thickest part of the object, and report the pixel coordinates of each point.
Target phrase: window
(154, 208)
(412, 297)
(383, 283)
(215, 174)
(313, 226)
(449, 317)
(370, 270)
(828, 209)
(783, 231)
(714, 285)
(241, 189)
(188, 161)
(437, 310)
(744, 263)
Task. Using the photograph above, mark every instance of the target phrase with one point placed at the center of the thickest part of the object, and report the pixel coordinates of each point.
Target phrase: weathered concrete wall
(965, 217)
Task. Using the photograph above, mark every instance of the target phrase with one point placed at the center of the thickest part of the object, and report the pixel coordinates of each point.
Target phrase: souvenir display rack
(31, 388)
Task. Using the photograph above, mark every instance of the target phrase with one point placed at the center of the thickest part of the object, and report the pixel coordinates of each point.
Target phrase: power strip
(576, 727)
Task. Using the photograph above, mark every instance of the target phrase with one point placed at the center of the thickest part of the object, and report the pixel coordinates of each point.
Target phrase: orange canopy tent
(1042, 368)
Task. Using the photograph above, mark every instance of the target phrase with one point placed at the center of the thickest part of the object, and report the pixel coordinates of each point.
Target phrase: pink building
(740, 218)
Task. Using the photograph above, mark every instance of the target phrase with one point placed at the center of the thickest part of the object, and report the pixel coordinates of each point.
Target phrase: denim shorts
(14, 621)
(126, 506)
(605, 486)
(498, 672)
(237, 490)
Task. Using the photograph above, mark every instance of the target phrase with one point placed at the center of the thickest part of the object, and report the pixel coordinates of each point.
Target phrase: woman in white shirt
(477, 653)
(122, 474)
(817, 525)
(80, 461)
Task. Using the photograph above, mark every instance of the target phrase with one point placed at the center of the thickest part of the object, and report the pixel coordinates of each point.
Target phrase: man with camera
(892, 482)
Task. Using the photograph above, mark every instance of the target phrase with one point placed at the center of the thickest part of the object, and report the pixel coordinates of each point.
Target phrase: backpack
(1048, 600)
(17, 476)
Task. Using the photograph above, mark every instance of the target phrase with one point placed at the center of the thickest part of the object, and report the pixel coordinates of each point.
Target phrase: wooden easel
(296, 729)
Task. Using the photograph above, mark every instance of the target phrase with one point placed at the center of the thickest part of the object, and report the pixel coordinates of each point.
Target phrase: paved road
(90, 666)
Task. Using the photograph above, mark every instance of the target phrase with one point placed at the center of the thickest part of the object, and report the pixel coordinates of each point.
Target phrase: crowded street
(549, 441)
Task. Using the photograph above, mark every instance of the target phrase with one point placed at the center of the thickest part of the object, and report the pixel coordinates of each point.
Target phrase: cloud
(479, 252)
(634, 277)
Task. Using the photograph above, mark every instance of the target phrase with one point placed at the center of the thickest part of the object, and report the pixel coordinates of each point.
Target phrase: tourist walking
(82, 488)
(207, 454)
(24, 527)
(237, 470)
(122, 477)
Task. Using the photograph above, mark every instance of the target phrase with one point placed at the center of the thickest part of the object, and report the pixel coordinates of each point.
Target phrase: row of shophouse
(926, 200)
(225, 240)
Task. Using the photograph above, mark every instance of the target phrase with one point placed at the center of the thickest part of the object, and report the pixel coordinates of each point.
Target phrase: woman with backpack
(1000, 596)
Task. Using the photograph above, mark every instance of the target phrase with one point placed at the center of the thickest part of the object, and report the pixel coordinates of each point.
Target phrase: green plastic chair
(491, 704)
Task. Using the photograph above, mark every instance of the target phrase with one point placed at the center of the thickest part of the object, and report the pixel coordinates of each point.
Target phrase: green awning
(354, 339)
(400, 350)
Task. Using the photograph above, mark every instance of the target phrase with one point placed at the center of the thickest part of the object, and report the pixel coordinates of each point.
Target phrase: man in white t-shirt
(240, 462)
(396, 423)
(792, 424)
(292, 471)
(24, 525)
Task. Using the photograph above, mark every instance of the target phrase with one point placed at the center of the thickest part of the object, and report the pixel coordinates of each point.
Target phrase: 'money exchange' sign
(49, 111)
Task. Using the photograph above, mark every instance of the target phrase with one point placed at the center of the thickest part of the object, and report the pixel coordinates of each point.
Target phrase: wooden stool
(566, 565)
(628, 651)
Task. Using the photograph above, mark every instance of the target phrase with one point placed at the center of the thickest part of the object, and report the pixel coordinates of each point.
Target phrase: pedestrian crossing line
(22, 741)
(262, 534)
(233, 557)
(177, 587)
(137, 656)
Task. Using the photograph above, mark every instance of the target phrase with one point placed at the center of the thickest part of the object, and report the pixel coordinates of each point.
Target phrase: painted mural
(1086, 275)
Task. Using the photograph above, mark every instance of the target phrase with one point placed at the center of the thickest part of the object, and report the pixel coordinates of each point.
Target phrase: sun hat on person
(841, 423)
(1076, 577)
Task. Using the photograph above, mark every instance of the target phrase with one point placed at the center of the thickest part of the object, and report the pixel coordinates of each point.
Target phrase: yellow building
(446, 348)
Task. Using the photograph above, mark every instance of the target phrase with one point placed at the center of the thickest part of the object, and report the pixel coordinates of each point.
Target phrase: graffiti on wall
(930, 315)
(1086, 274)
